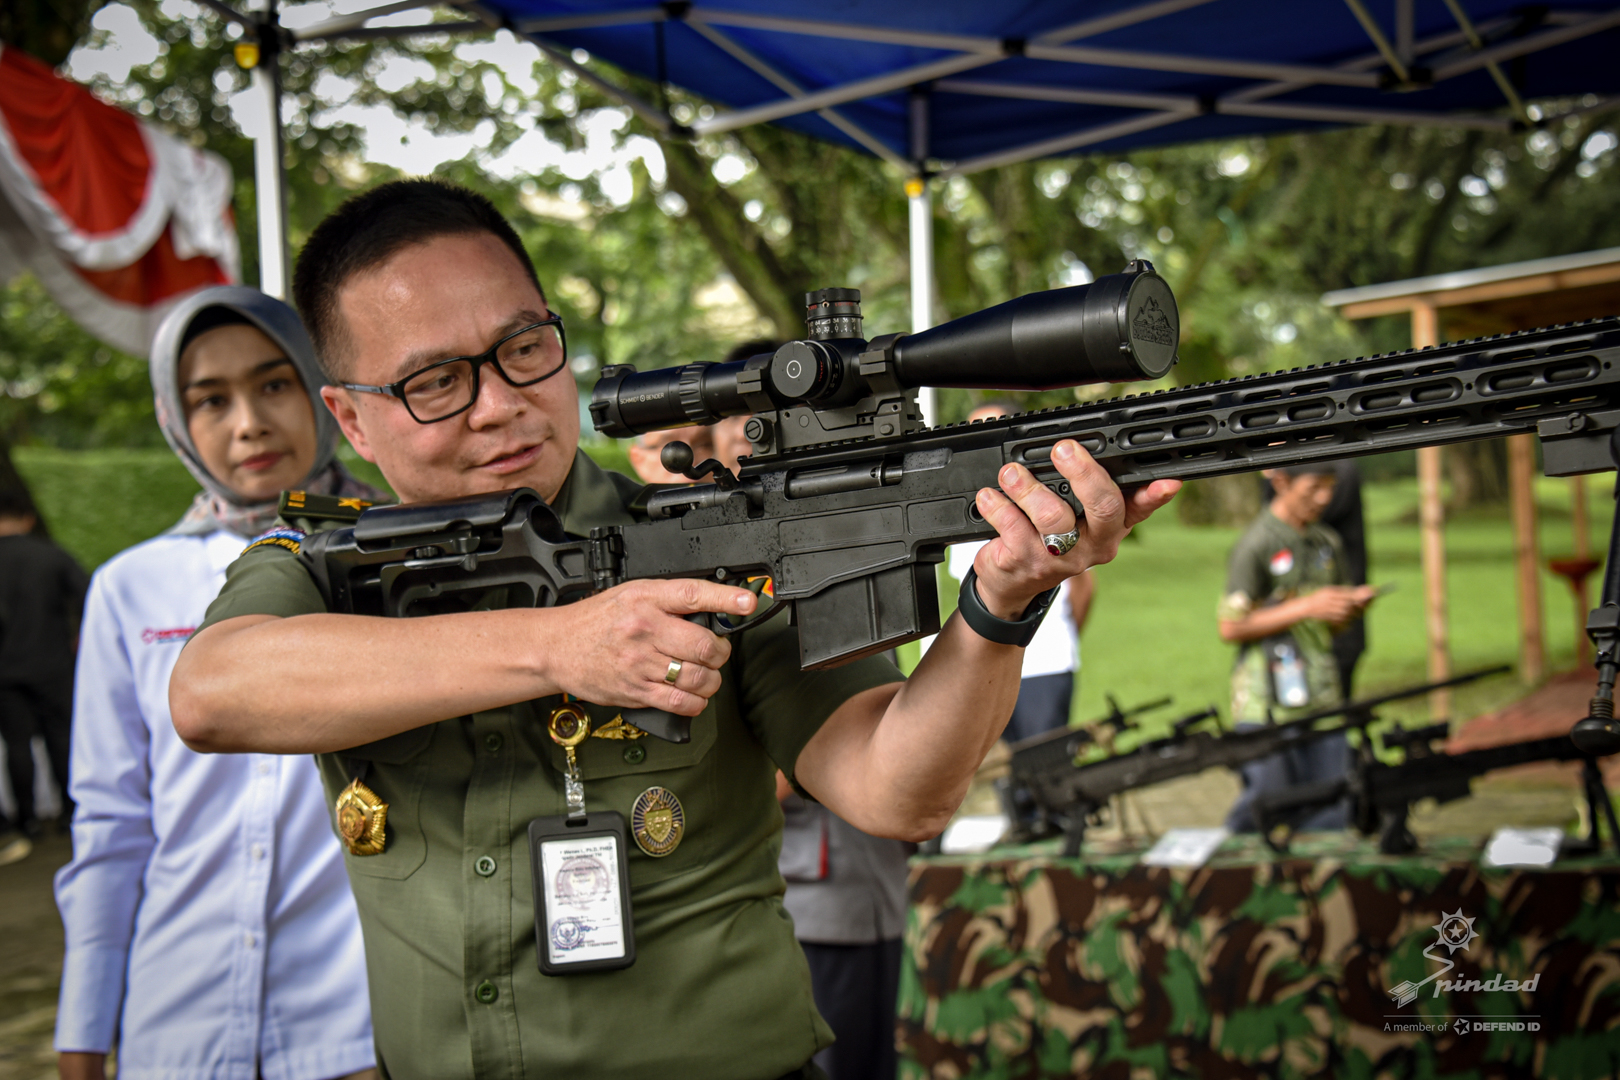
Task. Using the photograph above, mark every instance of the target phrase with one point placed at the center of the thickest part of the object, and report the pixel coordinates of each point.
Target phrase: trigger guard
(721, 628)
(752, 620)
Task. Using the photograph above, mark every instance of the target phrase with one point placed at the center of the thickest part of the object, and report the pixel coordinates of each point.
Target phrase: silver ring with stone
(1061, 544)
(673, 673)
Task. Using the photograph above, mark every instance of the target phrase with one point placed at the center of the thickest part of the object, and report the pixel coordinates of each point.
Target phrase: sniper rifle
(1051, 794)
(849, 501)
(1382, 795)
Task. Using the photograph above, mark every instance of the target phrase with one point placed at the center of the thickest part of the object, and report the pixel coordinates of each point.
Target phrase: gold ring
(673, 673)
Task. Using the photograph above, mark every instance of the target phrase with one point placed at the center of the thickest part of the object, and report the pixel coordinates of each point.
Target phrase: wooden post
(1431, 518)
(1527, 557)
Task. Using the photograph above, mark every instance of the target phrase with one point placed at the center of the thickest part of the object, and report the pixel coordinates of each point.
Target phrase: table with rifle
(1283, 955)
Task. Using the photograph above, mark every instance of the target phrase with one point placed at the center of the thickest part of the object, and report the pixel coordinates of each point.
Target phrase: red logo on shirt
(1282, 562)
(153, 636)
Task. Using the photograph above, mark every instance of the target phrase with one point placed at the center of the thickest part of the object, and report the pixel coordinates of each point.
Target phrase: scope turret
(1121, 328)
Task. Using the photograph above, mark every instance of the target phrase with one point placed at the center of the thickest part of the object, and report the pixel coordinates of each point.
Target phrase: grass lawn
(1152, 630)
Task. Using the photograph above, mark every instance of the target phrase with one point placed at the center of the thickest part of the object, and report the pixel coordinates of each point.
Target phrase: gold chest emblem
(362, 819)
(657, 821)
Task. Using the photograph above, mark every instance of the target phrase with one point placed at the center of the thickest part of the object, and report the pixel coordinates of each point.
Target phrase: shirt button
(263, 768)
(485, 866)
(247, 939)
(493, 742)
(486, 993)
(258, 851)
(634, 755)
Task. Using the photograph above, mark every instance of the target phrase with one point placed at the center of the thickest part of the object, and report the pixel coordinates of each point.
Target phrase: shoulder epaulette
(306, 504)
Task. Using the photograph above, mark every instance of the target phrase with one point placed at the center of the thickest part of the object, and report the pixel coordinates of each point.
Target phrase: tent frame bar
(1397, 56)
(873, 145)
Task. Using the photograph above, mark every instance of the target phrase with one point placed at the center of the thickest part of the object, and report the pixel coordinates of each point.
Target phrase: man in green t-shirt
(1287, 595)
(444, 718)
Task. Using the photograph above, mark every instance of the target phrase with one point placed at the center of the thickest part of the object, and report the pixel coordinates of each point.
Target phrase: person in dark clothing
(41, 598)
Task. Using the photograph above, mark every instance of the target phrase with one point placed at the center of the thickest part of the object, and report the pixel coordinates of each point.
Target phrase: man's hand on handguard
(896, 760)
(632, 636)
(1017, 567)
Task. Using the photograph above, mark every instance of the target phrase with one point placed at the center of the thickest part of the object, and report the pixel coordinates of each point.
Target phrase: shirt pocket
(396, 770)
(617, 771)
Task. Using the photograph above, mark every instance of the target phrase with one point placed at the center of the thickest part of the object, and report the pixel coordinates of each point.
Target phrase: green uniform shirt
(1273, 562)
(719, 987)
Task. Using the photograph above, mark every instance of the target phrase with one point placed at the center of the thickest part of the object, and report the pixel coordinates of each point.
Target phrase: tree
(1249, 232)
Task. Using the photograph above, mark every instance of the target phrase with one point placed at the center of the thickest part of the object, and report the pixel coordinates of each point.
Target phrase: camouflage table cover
(1020, 964)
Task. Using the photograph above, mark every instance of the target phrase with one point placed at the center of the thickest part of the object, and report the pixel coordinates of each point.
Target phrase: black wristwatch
(1020, 631)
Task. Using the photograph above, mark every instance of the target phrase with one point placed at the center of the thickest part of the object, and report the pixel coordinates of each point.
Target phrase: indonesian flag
(117, 218)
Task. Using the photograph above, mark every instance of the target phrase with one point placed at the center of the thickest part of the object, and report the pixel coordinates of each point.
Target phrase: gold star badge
(362, 820)
(353, 504)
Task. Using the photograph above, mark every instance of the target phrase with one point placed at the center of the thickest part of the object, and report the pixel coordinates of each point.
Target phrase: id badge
(581, 894)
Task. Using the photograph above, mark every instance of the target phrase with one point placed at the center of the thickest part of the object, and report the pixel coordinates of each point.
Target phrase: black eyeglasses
(448, 387)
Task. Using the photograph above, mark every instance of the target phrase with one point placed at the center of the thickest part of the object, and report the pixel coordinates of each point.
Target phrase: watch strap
(1019, 632)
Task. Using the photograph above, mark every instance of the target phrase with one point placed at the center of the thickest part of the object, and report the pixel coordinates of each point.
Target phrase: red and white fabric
(117, 218)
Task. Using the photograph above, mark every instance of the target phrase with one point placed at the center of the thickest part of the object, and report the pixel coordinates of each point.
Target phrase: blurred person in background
(41, 598)
(1344, 516)
(645, 449)
(1052, 660)
(210, 926)
(1288, 596)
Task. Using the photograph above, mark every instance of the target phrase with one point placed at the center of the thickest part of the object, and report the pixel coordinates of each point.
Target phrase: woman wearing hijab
(210, 927)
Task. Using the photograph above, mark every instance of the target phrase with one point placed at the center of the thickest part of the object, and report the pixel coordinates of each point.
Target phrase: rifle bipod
(1597, 734)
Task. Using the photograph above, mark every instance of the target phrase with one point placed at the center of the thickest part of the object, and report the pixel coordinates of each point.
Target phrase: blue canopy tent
(943, 88)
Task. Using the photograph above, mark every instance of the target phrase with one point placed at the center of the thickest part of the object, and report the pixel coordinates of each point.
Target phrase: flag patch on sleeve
(278, 537)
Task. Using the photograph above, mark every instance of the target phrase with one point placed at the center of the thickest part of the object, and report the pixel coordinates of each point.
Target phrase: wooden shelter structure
(1476, 303)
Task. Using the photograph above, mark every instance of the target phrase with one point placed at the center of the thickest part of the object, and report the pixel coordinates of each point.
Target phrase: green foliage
(59, 386)
(46, 29)
(1249, 232)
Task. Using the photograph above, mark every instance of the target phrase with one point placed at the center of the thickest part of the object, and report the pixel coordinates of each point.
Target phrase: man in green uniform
(1287, 595)
(444, 718)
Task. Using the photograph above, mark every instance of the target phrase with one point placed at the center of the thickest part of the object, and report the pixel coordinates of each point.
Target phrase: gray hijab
(217, 506)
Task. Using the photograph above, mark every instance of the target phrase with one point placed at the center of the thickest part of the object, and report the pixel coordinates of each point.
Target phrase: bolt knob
(676, 457)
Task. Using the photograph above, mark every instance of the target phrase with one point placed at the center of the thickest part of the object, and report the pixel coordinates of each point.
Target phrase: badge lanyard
(581, 871)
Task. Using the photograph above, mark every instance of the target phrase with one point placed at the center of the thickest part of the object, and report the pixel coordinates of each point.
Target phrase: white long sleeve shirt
(211, 932)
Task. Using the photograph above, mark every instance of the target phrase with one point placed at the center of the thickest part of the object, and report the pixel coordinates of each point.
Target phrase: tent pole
(921, 208)
(269, 180)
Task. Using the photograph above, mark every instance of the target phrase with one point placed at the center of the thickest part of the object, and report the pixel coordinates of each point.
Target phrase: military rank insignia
(362, 820)
(657, 821)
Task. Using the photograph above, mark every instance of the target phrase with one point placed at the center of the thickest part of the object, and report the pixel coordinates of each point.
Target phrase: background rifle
(1382, 795)
(1051, 794)
(849, 502)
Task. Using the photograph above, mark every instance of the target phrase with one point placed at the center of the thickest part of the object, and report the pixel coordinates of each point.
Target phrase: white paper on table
(973, 834)
(1185, 847)
(1523, 847)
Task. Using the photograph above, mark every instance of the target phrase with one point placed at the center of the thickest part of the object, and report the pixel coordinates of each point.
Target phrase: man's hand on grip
(625, 640)
(1016, 567)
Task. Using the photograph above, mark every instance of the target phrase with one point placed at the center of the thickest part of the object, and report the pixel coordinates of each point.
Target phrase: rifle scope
(1121, 328)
